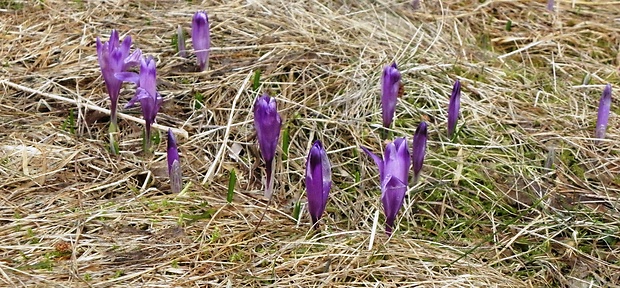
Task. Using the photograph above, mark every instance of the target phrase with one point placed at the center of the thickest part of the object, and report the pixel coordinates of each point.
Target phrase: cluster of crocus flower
(115, 58)
(267, 123)
(394, 171)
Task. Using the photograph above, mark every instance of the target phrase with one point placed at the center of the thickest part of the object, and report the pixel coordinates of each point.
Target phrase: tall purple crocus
(393, 173)
(604, 108)
(390, 84)
(201, 38)
(146, 94)
(114, 58)
(267, 122)
(318, 181)
(174, 163)
(419, 150)
(453, 107)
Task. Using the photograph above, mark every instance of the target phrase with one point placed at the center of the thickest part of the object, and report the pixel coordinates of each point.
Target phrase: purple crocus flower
(146, 93)
(419, 150)
(174, 163)
(390, 85)
(550, 4)
(181, 42)
(114, 58)
(453, 107)
(267, 122)
(318, 181)
(393, 173)
(604, 108)
(201, 38)
(415, 4)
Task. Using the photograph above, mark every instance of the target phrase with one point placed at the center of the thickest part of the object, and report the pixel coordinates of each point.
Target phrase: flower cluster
(395, 165)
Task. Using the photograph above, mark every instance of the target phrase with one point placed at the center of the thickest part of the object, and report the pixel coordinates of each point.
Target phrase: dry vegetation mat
(523, 197)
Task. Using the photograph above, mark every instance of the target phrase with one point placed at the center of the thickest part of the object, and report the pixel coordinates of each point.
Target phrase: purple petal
(114, 38)
(174, 163)
(125, 46)
(604, 109)
(133, 59)
(267, 123)
(390, 84)
(128, 77)
(454, 107)
(392, 197)
(378, 161)
(419, 150)
(318, 181)
(148, 75)
(397, 160)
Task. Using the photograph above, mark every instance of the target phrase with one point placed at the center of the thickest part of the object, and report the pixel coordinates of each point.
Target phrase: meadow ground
(523, 197)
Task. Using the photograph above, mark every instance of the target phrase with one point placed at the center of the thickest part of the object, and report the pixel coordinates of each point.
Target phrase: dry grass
(72, 215)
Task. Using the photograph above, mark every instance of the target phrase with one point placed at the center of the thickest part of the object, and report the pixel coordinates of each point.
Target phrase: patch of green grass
(11, 5)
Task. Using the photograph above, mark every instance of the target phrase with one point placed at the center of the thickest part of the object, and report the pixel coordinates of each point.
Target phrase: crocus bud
(146, 93)
(174, 164)
(415, 4)
(267, 123)
(318, 181)
(181, 42)
(393, 173)
(453, 107)
(390, 84)
(604, 108)
(114, 58)
(201, 38)
(550, 4)
(419, 150)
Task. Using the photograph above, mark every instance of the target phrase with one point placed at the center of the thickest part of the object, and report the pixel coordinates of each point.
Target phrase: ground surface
(73, 215)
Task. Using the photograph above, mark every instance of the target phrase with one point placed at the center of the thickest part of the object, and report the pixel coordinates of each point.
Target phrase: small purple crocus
(181, 42)
(419, 150)
(550, 4)
(318, 181)
(453, 107)
(174, 163)
(267, 122)
(393, 173)
(114, 58)
(415, 4)
(604, 109)
(146, 93)
(390, 84)
(201, 38)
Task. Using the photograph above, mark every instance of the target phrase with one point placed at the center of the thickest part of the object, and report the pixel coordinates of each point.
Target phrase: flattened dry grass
(522, 198)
